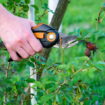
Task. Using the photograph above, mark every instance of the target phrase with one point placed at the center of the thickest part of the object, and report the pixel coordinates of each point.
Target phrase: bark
(55, 22)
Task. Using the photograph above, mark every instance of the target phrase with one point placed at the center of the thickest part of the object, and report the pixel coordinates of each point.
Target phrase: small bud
(91, 46)
(87, 52)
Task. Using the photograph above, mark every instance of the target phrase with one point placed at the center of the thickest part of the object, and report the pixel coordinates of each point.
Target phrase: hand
(17, 36)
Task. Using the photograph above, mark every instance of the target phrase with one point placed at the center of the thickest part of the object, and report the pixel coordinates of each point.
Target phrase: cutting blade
(66, 41)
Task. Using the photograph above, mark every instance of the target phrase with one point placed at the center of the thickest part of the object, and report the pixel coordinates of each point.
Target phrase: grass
(82, 11)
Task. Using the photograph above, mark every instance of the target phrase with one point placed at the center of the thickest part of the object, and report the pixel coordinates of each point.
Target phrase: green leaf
(100, 62)
(25, 8)
(36, 8)
(103, 6)
(30, 80)
(58, 98)
(31, 64)
(27, 1)
(84, 58)
(32, 59)
(8, 89)
(46, 97)
(45, 6)
(3, 1)
(17, 1)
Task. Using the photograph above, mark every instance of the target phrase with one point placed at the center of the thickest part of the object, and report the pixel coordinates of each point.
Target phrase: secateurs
(49, 37)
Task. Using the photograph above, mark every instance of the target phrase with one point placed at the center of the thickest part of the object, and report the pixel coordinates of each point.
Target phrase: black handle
(50, 37)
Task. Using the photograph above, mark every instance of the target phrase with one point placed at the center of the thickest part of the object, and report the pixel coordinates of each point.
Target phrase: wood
(52, 4)
(59, 13)
(55, 22)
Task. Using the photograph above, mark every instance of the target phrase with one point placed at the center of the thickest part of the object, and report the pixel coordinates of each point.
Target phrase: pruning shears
(50, 37)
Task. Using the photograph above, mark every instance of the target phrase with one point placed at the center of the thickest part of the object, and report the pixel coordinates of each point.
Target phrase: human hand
(17, 36)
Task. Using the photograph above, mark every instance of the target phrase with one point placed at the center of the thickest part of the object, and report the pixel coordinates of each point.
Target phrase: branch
(55, 22)
(1, 45)
(59, 13)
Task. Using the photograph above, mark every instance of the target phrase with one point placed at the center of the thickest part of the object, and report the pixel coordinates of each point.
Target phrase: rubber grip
(42, 31)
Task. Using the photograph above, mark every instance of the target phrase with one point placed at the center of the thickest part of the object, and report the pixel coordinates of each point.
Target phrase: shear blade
(66, 41)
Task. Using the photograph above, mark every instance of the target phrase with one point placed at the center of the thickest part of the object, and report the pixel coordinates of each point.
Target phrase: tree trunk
(55, 22)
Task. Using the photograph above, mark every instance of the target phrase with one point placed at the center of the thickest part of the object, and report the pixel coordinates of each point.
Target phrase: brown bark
(55, 22)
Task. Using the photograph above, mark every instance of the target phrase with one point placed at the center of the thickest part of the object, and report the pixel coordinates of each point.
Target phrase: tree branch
(55, 22)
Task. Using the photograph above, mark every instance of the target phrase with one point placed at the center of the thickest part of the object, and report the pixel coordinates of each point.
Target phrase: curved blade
(66, 41)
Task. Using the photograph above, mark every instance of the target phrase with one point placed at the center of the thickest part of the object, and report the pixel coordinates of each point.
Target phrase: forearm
(3, 13)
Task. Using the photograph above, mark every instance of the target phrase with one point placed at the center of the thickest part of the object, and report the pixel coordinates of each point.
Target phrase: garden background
(69, 77)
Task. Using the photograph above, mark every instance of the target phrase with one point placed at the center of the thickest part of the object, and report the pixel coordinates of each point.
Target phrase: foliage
(70, 77)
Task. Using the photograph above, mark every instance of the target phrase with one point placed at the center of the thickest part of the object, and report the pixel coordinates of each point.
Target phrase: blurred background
(70, 76)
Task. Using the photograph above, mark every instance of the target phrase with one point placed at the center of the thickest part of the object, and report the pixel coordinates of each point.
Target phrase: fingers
(35, 43)
(24, 43)
(28, 48)
(13, 55)
(18, 54)
(24, 48)
(22, 52)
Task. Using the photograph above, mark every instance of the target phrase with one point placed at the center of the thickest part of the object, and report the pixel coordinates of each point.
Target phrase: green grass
(82, 11)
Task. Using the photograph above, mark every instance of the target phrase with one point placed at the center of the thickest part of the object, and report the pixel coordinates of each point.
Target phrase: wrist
(5, 17)
(4, 14)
